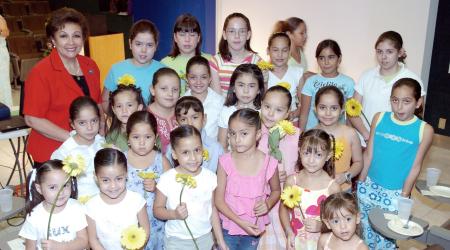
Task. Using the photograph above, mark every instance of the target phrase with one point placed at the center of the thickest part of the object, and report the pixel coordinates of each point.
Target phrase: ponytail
(34, 198)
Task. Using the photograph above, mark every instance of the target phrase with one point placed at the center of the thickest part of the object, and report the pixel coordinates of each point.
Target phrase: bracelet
(348, 176)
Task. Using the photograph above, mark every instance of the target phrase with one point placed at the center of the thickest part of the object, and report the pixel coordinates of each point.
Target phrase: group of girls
(219, 134)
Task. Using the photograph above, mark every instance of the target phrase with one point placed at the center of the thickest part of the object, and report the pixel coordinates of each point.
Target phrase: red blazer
(49, 91)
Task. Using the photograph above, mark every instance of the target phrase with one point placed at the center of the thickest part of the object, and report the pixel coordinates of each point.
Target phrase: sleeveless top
(242, 192)
(342, 162)
(395, 146)
(328, 242)
(309, 208)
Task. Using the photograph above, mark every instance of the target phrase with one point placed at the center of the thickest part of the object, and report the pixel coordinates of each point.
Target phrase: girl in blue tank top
(397, 146)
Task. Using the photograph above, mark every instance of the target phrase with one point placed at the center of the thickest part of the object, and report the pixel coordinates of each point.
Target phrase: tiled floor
(433, 212)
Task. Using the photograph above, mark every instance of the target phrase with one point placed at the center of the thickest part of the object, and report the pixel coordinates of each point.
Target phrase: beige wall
(354, 24)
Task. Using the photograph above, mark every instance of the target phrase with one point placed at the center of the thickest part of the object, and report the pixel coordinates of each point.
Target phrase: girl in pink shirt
(275, 107)
(165, 91)
(247, 183)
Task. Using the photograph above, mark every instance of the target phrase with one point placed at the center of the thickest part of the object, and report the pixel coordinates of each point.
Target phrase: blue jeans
(240, 242)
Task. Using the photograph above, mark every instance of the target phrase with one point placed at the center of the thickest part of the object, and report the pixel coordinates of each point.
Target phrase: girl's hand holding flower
(149, 185)
(51, 245)
(181, 212)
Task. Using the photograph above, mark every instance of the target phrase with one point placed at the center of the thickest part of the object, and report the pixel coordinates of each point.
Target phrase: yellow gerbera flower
(286, 85)
(126, 80)
(353, 107)
(263, 65)
(186, 179)
(84, 199)
(339, 149)
(74, 165)
(148, 175)
(291, 196)
(133, 237)
(205, 155)
(284, 127)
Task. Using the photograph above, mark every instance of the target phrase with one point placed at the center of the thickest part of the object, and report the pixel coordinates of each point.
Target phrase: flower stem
(54, 205)
(185, 223)
(192, 236)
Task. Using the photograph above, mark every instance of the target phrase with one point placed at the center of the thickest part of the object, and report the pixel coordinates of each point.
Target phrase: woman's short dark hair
(61, 17)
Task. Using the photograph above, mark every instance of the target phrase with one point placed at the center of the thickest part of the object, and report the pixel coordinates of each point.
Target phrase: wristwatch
(348, 176)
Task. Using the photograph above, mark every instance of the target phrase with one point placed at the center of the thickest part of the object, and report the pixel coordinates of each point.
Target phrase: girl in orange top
(329, 104)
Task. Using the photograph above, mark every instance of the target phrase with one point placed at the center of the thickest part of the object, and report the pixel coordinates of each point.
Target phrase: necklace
(76, 73)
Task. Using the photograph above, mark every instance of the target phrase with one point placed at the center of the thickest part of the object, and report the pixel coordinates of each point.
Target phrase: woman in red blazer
(56, 81)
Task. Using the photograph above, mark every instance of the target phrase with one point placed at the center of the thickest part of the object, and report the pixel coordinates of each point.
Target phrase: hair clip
(126, 80)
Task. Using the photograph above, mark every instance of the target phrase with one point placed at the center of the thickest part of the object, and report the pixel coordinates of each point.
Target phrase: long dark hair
(328, 43)
(223, 44)
(143, 116)
(33, 196)
(315, 139)
(414, 85)
(116, 123)
(186, 23)
(246, 68)
(330, 89)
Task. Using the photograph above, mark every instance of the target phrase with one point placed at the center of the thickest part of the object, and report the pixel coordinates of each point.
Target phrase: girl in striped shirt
(234, 49)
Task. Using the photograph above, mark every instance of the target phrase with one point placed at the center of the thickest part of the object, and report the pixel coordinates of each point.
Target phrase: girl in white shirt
(115, 208)
(189, 210)
(373, 90)
(282, 72)
(68, 224)
(84, 140)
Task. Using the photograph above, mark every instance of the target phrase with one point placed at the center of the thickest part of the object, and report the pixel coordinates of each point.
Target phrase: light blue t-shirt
(143, 76)
(315, 82)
